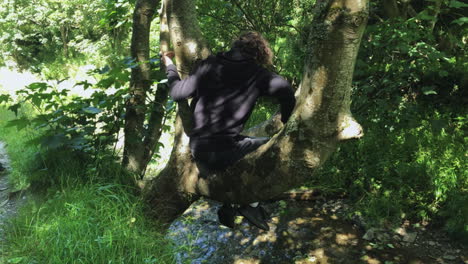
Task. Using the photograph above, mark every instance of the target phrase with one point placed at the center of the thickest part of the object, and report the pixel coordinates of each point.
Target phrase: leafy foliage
(284, 23)
(409, 92)
(45, 34)
(88, 124)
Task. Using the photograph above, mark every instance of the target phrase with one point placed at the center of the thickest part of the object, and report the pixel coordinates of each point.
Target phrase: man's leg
(253, 212)
(217, 161)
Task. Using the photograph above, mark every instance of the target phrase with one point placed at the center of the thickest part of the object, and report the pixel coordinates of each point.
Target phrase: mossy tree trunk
(321, 119)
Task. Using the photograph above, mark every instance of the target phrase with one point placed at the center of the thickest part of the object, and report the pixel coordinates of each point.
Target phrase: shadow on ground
(300, 232)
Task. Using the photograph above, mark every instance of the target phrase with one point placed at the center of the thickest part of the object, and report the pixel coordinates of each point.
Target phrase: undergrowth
(23, 157)
(405, 169)
(82, 211)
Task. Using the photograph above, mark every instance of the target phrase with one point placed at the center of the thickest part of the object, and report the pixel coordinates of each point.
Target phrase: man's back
(224, 90)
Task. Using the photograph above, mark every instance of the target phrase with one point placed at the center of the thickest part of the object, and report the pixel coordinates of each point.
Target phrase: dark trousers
(220, 160)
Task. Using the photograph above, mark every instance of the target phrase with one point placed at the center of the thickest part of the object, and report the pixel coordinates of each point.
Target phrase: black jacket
(225, 88)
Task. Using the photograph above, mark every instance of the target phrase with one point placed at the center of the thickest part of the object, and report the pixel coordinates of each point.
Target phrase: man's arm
(279, 88)
(179, 89)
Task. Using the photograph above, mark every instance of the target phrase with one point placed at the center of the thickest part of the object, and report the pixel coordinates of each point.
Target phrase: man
(224, 89)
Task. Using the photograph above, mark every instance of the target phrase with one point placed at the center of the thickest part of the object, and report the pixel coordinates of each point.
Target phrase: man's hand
(274, 125)
(167, 58)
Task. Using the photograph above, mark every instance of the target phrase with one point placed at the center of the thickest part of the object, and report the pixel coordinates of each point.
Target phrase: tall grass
(81, 212)
(87, 224)
(23, 157)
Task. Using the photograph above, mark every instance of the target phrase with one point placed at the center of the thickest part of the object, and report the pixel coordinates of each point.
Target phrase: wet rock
(299, 236)
(449, 257)
(200, 238)
(400, 231)
(383, 237)
(304, 232)
(410, 237)
(359, 221)
(370, 234)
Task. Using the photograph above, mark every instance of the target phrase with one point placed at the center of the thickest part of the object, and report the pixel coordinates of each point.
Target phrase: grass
(80, 214)
(88, 224)
(22, 157)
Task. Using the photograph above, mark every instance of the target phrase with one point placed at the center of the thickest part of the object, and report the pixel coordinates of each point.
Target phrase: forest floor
(347, 241)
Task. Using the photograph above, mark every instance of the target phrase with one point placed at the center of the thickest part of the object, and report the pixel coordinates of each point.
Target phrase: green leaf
(92, 110)
(457, 4)
(425, 16)
(443, 73)
(84, 83)
(104, 70)
(460, 21)
(35, 141)
(20, 123)
(14, 108)
(36, 100)
(427, 90)
(15, 260)
(4, 98)
(78, 142)
(54, 141)
(40, 86)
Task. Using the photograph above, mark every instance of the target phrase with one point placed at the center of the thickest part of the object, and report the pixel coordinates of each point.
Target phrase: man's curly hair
(253, 44)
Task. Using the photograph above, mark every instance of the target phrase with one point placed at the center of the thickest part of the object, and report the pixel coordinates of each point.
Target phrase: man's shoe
(265, 214)
(255, 215)
(226, 215)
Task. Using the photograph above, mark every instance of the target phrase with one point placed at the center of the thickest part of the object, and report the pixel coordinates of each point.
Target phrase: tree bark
(434, 10)
(189, 47)
(64, 29)
(140, 142)
(320, 121)
(158, 110)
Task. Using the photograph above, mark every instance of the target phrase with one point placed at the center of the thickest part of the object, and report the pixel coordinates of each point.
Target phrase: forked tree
(321, 119)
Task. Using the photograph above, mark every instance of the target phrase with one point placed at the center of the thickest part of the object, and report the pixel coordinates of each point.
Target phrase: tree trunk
(189, 47)
(320, 121)
(158, 109)
(140, 142)
(434, 11)
(64, 35)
